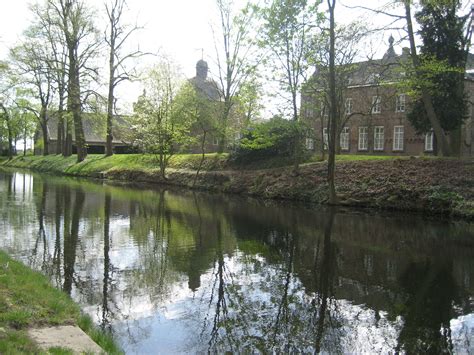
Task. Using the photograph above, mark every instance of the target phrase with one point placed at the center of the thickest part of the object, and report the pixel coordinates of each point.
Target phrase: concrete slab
(66, 336)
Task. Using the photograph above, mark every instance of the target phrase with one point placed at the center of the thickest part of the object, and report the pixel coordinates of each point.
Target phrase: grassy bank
(429, 186)
(28, 300)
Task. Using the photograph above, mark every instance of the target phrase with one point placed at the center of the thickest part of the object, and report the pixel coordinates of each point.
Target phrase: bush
(274, 138)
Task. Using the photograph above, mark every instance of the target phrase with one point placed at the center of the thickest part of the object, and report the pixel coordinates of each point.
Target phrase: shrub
(274, 138)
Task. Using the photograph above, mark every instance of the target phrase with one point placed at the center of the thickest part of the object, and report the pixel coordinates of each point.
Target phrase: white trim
(363, 143)
(379, 138)
(376, 104)
(325, 139)
(348, 105)
(429, 139)
(400, 103)
(344, 138)
(398, 138)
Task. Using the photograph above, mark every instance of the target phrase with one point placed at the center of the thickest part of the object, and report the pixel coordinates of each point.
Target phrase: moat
(177, 272)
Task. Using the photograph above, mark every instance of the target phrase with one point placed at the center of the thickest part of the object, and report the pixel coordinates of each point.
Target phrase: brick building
(374, 108)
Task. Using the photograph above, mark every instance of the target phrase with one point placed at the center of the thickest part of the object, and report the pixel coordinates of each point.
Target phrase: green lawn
(27, 300)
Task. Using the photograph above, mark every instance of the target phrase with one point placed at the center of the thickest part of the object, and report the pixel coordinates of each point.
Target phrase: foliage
(276, 137)
(156, 129)
(287, 28)
(236, 58)
(442, 64)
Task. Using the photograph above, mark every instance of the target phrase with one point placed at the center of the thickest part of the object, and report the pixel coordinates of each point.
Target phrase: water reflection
(194, 272)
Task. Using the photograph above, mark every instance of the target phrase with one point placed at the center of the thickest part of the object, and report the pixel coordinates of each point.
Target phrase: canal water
(174, 271)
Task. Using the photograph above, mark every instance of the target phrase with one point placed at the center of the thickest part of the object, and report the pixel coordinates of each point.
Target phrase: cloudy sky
(180, 28)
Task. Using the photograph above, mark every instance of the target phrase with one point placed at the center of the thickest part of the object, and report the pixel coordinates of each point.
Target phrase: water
(178, 272)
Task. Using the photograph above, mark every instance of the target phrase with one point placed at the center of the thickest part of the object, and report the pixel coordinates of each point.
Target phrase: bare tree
(74, 20)
(115, 39)
(52, 39)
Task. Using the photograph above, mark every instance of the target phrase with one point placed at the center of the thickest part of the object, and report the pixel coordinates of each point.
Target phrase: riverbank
(27, 300)
(422, 185)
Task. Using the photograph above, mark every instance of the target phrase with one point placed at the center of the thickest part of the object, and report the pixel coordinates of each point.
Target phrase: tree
(116, 38)
(333, 108)
(32, 64)
(47, 31)
(286, 34)
(155, 129)
(443, 56)
(74, 20)
(233, 52)
(193, 106)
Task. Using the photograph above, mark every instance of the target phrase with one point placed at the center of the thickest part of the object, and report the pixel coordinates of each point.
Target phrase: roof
(94, 126)
(373, 72)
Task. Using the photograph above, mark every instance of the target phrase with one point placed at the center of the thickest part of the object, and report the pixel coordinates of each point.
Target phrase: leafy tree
(196, 109)
(234, 49)
(443, 56)
(32, 61)
(276, 137)
(156, 130)
(286, 33)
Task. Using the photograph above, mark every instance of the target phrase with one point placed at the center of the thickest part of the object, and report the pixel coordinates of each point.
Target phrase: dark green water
(169, 271)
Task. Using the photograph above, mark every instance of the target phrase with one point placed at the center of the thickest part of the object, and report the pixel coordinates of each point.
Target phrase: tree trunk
(74, 104)
(332, 106)
(67, 148)
(44, 129)
(425, 95)
(110, 98)
(61, 134)
(203, 142)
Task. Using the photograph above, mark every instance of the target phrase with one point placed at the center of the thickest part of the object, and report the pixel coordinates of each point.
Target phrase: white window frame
(429, 141)
(363, 143)
(376, 104)
(400, 103)
(379, 138)
(398, 138)
(324, 109)
(215, 141)
(348, 106)
(309, 143)
(344, 138)
(325, 139)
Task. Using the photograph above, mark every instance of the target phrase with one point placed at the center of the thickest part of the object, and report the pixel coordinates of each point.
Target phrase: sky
(179, 28)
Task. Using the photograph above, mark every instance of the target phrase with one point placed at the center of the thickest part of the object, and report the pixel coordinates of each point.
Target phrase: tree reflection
(105, 321)
(324, 281)
(71, 236)
(431, 292)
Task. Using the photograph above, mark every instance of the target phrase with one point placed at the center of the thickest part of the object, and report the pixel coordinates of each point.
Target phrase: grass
(27, 300)
(96, 163)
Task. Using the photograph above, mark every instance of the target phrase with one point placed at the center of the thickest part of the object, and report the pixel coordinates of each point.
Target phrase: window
(324, 110)
(215, 141)
(379, 138)
(348, 106)
(344, 139)
(429, 141)
(325, 139)
(398, 133)
(373, 78)
(376, 104)
(309, 143)
(363, 138)
(400, 103)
